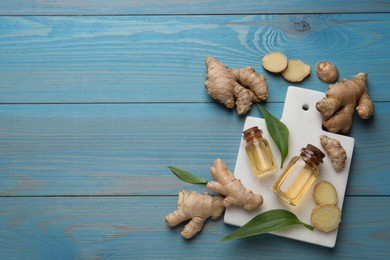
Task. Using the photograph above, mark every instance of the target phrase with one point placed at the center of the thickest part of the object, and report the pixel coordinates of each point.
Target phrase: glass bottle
(299, 175)
(259, 152)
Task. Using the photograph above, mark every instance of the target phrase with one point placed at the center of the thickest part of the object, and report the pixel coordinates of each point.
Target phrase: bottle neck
(312, 154)
(252, 134)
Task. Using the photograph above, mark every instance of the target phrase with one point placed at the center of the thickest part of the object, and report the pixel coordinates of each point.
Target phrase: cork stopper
(312, 154)
(252, 133)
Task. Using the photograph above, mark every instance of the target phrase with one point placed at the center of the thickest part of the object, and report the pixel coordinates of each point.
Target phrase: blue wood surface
(97, 98)
(161, 58)
(134, 228)
(124, 149)
(134, 7)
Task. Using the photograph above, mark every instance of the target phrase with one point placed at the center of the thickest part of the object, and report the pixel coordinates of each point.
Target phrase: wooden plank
(97, 7)
(124, 149)
(161, 58)
(121, 227)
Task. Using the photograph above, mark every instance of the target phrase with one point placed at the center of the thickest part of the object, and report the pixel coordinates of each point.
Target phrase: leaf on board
(265, 222)
(278, 131)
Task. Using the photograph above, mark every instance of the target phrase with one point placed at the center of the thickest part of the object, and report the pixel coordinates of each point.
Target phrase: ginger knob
(335, 151)
(341, 99)
(226, 184)
(197, 208)
(327, 71)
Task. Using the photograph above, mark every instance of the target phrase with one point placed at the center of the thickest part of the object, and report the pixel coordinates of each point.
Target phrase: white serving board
(305, 126)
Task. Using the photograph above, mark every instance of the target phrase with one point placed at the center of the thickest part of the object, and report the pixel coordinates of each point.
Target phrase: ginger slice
(325, 217)
(325, 193)
(275, 62)
(296, 71)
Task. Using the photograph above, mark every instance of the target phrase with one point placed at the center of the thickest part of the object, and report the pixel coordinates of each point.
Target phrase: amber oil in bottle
(259, 152)
(299, 175)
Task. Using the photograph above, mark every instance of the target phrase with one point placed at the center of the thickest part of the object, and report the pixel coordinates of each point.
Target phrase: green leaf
(187, 177)
(265, 222)
(278, 131)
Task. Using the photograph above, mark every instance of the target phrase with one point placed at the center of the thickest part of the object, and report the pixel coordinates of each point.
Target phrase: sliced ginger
(325, 217)
(275, 62)
(296, 71)
(293, 70)
(325, 193)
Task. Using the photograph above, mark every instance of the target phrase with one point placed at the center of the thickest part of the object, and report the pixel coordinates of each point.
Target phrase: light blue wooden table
(99, 97)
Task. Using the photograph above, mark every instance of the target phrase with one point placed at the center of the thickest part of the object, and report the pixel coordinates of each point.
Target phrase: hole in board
(305, 107)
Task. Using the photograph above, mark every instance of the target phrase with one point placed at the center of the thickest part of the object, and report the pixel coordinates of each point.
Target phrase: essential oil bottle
(298, 175)
(259, 152)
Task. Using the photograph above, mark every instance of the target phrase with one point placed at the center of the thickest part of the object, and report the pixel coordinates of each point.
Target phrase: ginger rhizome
(327, 72)
(335, 151)
(197, 208)
(341, 99)
(229, 86)
(235, 192)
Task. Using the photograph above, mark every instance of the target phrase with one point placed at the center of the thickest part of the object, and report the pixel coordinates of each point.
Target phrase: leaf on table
(187, 177)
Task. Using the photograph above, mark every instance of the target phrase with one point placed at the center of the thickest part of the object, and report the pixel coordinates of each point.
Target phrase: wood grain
(161, 58)
(133, 7)
(121, 227)
(97, 98)
(124, 149)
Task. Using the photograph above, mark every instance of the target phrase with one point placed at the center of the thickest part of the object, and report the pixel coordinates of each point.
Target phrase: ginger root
(235, 192)
(327, 71)
(325, 193)
(335, 151)
(274, 61)
(197, 208)
(341, 99)
(240, 87)
(325, 217)
(296, 71)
